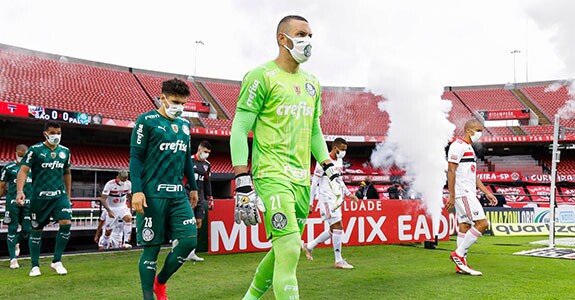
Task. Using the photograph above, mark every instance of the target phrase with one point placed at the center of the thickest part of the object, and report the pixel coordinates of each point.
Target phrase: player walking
(114, 196)
(160, 156)
(330, 206)
(281, 104)
(49, 163)
(15, 214)
(202, 171)
(462, 183)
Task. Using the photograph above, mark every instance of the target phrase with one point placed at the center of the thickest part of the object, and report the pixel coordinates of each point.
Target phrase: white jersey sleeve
(315, 181)
(107, 188)
(129, 186)
(455, 152)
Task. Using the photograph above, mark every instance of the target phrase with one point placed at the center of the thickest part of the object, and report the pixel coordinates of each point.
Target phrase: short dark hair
(339, 141)
(206, 145)
(286, 19)
(51, 124)
(175, 87)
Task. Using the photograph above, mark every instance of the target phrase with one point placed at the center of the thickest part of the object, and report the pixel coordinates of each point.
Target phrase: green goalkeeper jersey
(166, 144)
(286, 105)
(9, 174)
(47, 167)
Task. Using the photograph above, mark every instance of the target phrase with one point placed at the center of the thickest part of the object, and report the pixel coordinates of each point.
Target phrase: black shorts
(200, 210)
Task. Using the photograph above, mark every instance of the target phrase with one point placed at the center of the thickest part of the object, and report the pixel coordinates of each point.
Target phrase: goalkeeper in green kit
(281, 104)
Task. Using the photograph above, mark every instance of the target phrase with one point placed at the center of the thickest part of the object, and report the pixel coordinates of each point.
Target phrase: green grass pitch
(381, 272)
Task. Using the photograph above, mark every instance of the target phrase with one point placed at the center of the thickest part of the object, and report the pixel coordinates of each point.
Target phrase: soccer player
(463, 183)
(114, 201)
(202, 171)
(115, 239)
(160, 156)
(15, 214)
(330, 206)
(281, 104)
(49, 163)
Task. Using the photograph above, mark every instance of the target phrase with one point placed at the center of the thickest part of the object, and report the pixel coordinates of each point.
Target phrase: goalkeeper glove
(336, 184)
(247, 201)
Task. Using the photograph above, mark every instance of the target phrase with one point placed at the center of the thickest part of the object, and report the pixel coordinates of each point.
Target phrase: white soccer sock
(324, 236)
(460, 237)
(470, 238)
(127, 232)
(336, 240)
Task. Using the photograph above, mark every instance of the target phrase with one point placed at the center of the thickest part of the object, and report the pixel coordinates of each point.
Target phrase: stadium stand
(514, 163)
(217, 123)
(489, 99)
(458, 114)
(153, 85)
(34, 80)
(548, 102)
(225, 94)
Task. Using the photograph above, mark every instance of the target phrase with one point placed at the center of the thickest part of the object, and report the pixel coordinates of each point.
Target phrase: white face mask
(54, 139)
(301, 50)
(173, 110)
(476, 136)
(341, 154)
(121, 182)
(204, 155)
(18, 158)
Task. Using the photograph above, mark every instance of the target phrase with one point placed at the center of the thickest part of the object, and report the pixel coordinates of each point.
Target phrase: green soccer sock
(12, 239)
(35, 242)
(61, 241)
(263, 278)
(26, 228)
(147, 268)
(287, 250)
(176, 258)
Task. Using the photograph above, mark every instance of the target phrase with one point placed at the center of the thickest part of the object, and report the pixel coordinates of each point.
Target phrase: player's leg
(39, 217)
(11, 218)
(324, 236)
(183, 232)
(127, 228)
(150, 234)
(62, 213)
(263, 278)
(26, 227)
(337, 237)
(199, 212)
(469, 211)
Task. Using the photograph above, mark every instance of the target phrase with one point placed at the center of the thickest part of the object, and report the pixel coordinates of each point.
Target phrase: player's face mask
(340, 154)
(173, 110)
(301, 50)
(18, 158)
(476, 136)
(53, 139)
(204, 155)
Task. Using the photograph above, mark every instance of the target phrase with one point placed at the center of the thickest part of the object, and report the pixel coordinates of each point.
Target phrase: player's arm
(208, 187)
(2, 188)
(98, 231)
(451, 170)
(492, 199)
(104, 200)
(20, 182)
(191, 177)
(138, 147)
(68, 181)
(315, 180)
(3, 180)
(253, 94)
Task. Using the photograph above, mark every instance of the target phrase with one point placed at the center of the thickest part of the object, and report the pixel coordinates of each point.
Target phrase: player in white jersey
(330, 206)
(115, 239)
(463, 183)
(114, 197)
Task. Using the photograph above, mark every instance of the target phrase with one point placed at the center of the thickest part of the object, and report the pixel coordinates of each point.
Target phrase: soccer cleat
(160, 290)
(59, 268)
(17, 250)
(194, 257)
(474, 272)
(342, 264)
(14, 264)
(461, 263)
(308, 252)
(35, 272)
(127, 246)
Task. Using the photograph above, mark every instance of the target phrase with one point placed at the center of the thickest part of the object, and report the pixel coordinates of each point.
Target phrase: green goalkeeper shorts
(286, 203)
(42, 209)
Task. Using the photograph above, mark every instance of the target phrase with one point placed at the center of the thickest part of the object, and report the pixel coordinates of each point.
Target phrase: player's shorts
(200, 209)
(326, 213)
(468, 209)
(286, 203)
(119, 213)
(42, 209)
(115, 240)
(165, 219)
(15, 213)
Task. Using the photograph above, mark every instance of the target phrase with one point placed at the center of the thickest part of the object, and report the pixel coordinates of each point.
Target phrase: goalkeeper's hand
(247, 201)
(336, 184)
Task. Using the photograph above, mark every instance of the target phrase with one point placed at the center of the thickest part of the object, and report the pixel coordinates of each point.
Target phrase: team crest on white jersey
(175, 128)
(62, 154)
(186, 129)
(310, 89)
(53, 154)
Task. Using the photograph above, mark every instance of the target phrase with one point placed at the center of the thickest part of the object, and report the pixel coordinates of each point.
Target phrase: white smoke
(568, 110)
(418, 132)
